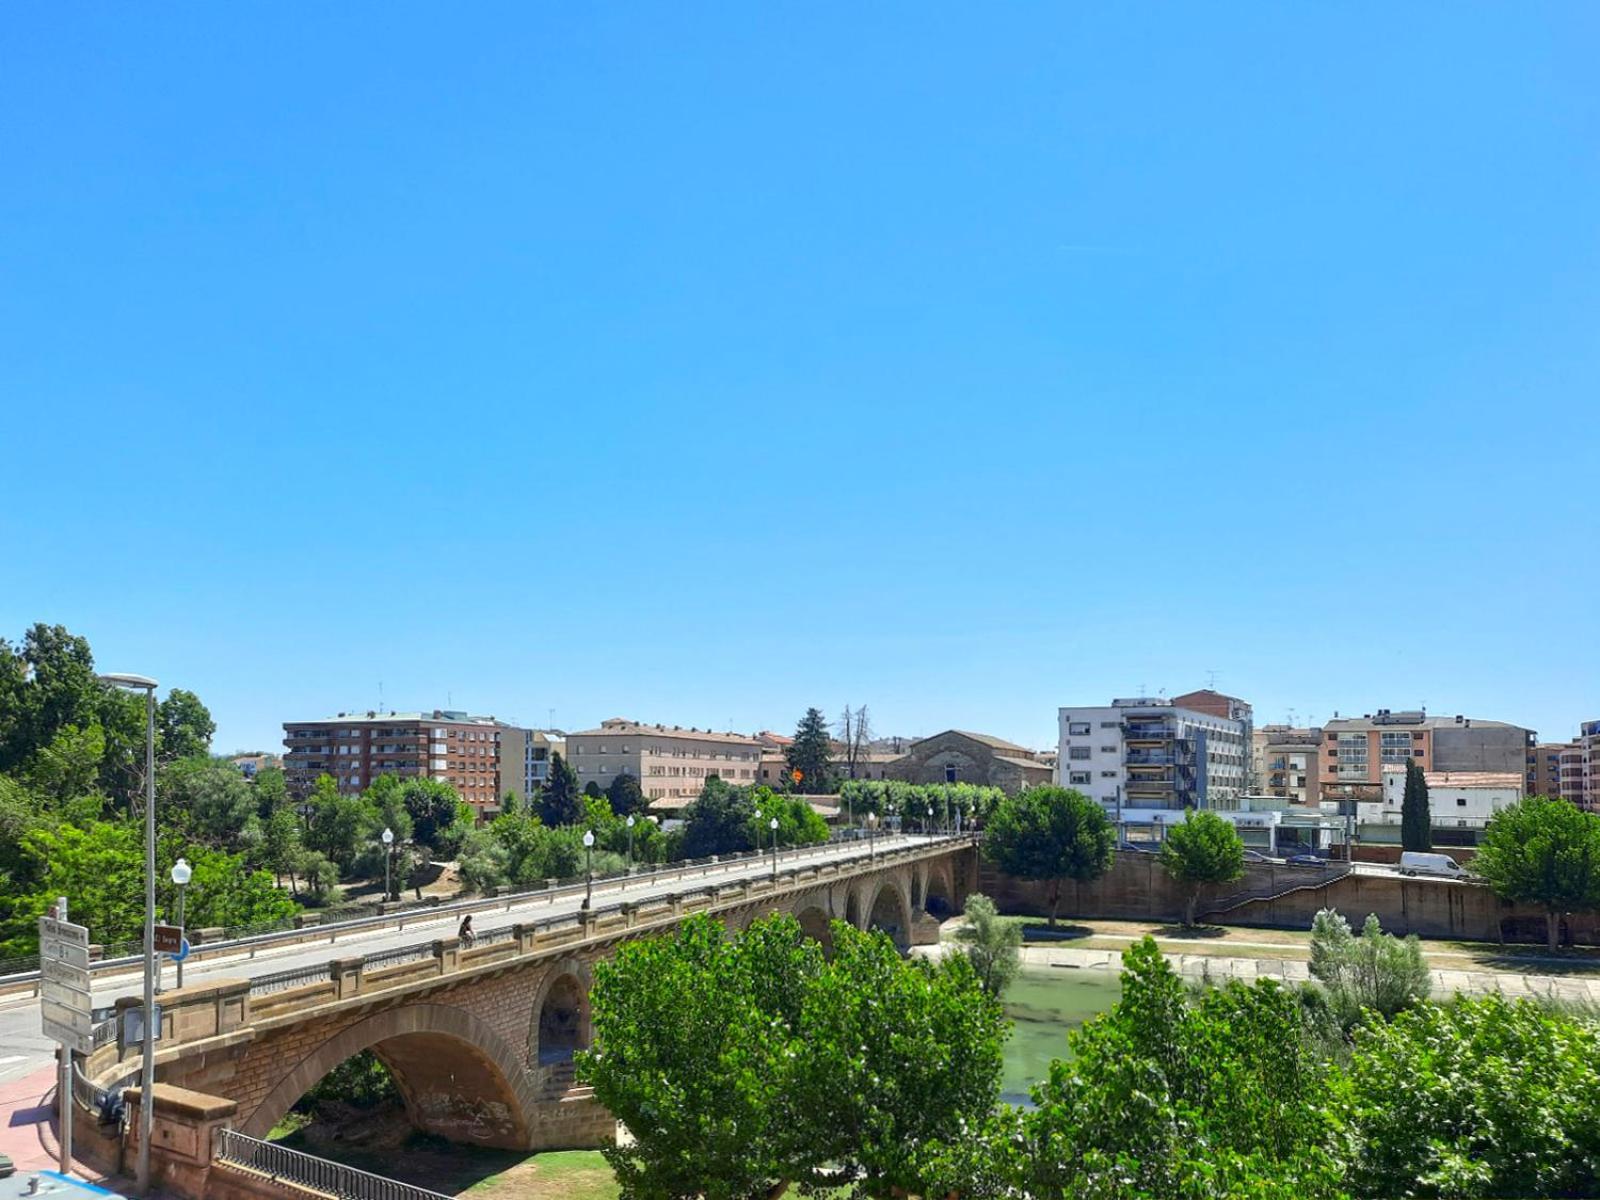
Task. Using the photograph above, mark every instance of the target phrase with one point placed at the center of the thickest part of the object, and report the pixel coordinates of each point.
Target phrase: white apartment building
(669, 761)
(1143, 758)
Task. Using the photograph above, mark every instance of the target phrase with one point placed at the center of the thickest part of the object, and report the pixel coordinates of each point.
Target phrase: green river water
(1043, 1004)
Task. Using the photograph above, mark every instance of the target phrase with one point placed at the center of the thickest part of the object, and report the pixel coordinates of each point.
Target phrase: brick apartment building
(480, 757)
(1355, 750)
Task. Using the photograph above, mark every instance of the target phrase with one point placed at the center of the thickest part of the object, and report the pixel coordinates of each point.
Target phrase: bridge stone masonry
(479, 1040)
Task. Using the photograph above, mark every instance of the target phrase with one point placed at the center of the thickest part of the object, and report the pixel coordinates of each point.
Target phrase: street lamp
(630, 843)
(388, 853)
(588, 852)
(181, 874)
(147, 1067)
(773, 825)
(928, 828)
(872, 825)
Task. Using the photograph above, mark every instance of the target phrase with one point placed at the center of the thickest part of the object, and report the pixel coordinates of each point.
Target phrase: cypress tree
(811, 754)
(1416, 824)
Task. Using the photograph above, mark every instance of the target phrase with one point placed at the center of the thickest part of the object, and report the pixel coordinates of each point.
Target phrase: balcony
(1142, 732)
(1150, 758)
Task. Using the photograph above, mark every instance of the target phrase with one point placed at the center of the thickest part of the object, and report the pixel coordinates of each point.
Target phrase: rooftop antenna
(449, 699)
(552, 715)
(1211, 680)
(380, 695)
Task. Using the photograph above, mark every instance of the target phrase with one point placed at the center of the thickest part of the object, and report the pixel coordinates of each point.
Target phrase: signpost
(169, 939)
(66, 1006)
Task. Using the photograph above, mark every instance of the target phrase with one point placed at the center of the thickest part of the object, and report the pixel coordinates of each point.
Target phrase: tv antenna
(1211, 680)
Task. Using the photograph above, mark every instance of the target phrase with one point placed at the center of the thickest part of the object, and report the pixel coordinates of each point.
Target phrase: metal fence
(308, 1171)
(282, 981)
(379, 959)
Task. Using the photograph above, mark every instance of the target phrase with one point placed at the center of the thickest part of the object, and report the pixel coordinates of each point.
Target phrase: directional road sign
(65, 1003)
(169, 939)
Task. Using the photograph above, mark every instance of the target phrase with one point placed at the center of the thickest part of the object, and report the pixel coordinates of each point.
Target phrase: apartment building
(1144, 758)
(468, 752)
(669, 761)
(1355, 750)
(543, 745)
(1284, 763)
(1543, 774)
(1589, 765)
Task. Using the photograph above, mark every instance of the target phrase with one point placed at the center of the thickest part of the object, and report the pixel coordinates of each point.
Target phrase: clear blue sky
(702, 362)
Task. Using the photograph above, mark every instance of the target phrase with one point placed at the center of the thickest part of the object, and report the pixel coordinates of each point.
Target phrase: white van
(1416, 862)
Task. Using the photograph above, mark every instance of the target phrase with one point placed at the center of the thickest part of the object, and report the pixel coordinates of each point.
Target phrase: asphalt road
(24, 1049)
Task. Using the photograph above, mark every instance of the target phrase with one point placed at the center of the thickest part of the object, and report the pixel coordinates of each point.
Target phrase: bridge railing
(233, 1148)
(23, 973)
(557, 925)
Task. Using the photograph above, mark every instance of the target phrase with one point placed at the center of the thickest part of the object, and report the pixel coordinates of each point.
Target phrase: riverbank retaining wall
(1137, 889)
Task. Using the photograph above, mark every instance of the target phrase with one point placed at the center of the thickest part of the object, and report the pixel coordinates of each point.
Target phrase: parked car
(1255, 856)
(1138, 847)
(1418, 862)
(1306, 860)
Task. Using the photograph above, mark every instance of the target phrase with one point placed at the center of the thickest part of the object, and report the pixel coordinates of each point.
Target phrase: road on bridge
(24, 1050)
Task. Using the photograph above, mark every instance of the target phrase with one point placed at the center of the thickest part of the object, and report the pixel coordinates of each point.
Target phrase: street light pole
(630, 843)
(773, 825)
(147, 1067)
(588, 854)
(388, 853)
(181, 874)
(872, 826)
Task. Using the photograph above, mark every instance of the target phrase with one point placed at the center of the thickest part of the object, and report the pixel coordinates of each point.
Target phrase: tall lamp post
(928, 828)
(872, 826)
(388, 854)
(630, 843)
(773, 825)
(181, 874)
(588, 854)
(147, 1067)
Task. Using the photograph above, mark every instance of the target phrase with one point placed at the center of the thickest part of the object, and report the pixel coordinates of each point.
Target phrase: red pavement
(27, 1121)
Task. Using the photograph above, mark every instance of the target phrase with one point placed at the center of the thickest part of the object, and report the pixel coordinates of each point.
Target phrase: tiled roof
(986, 739)
(1027, 763)
(618, 727)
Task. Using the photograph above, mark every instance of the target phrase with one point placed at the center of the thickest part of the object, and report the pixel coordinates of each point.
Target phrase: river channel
(1044, 1003)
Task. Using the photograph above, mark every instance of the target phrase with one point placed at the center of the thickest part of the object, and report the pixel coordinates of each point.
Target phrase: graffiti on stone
(445, 1113)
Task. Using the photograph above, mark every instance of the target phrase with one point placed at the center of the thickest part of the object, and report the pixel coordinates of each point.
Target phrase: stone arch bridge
(480, 1041)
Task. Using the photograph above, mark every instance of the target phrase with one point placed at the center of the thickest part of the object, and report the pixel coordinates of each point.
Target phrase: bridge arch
(559, 1024)
(458, 1077)
(939, 891)
(890, 911)
(812, 913)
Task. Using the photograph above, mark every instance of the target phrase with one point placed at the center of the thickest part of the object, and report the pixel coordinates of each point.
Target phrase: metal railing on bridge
(308, 1171)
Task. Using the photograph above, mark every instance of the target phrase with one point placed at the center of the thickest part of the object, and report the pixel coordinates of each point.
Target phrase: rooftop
(372, 717)
(1411, 719)
(615, 726)
(988, 740)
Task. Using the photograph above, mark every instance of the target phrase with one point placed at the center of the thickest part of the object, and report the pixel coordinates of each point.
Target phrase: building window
(1080, 776)
(1461, 801)
(1078, 728)
(1108, 774)
(950, 772)
(1078, 752)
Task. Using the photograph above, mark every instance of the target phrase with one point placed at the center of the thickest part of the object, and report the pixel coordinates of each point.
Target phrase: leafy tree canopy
(1545, 852)
(561, 802)
(1051, 834)
(811, 753)
(1204, 849)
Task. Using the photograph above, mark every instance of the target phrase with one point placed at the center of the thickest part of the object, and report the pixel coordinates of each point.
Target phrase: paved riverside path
(24, 1049)
(1446, 981)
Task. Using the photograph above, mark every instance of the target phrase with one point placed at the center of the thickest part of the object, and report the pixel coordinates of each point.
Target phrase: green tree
(208, 799)
(1545, 852)
(798, 823)
(183, 726)
(341, 827)
(1204, 849)
(272, 791)
(485, 862)
(280, 843)
(561, 803)
(1375, 971)
(1050, 834)
(626, 795)
(1416, 822)
(46, 684)
(811, 753)
(1217, 1095)
(69, 767)
(993, 946)
(745, 1064)
(319, 873)
(1480, 1097)
(720, 821)
(440, 819)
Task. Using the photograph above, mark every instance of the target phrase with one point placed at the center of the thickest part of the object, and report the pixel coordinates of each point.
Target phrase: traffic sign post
(66, 1006)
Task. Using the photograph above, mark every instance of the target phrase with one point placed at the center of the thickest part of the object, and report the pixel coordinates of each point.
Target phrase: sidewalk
(28, 1138)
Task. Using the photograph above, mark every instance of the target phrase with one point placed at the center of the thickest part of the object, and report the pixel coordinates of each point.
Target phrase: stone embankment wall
(1137, 889)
